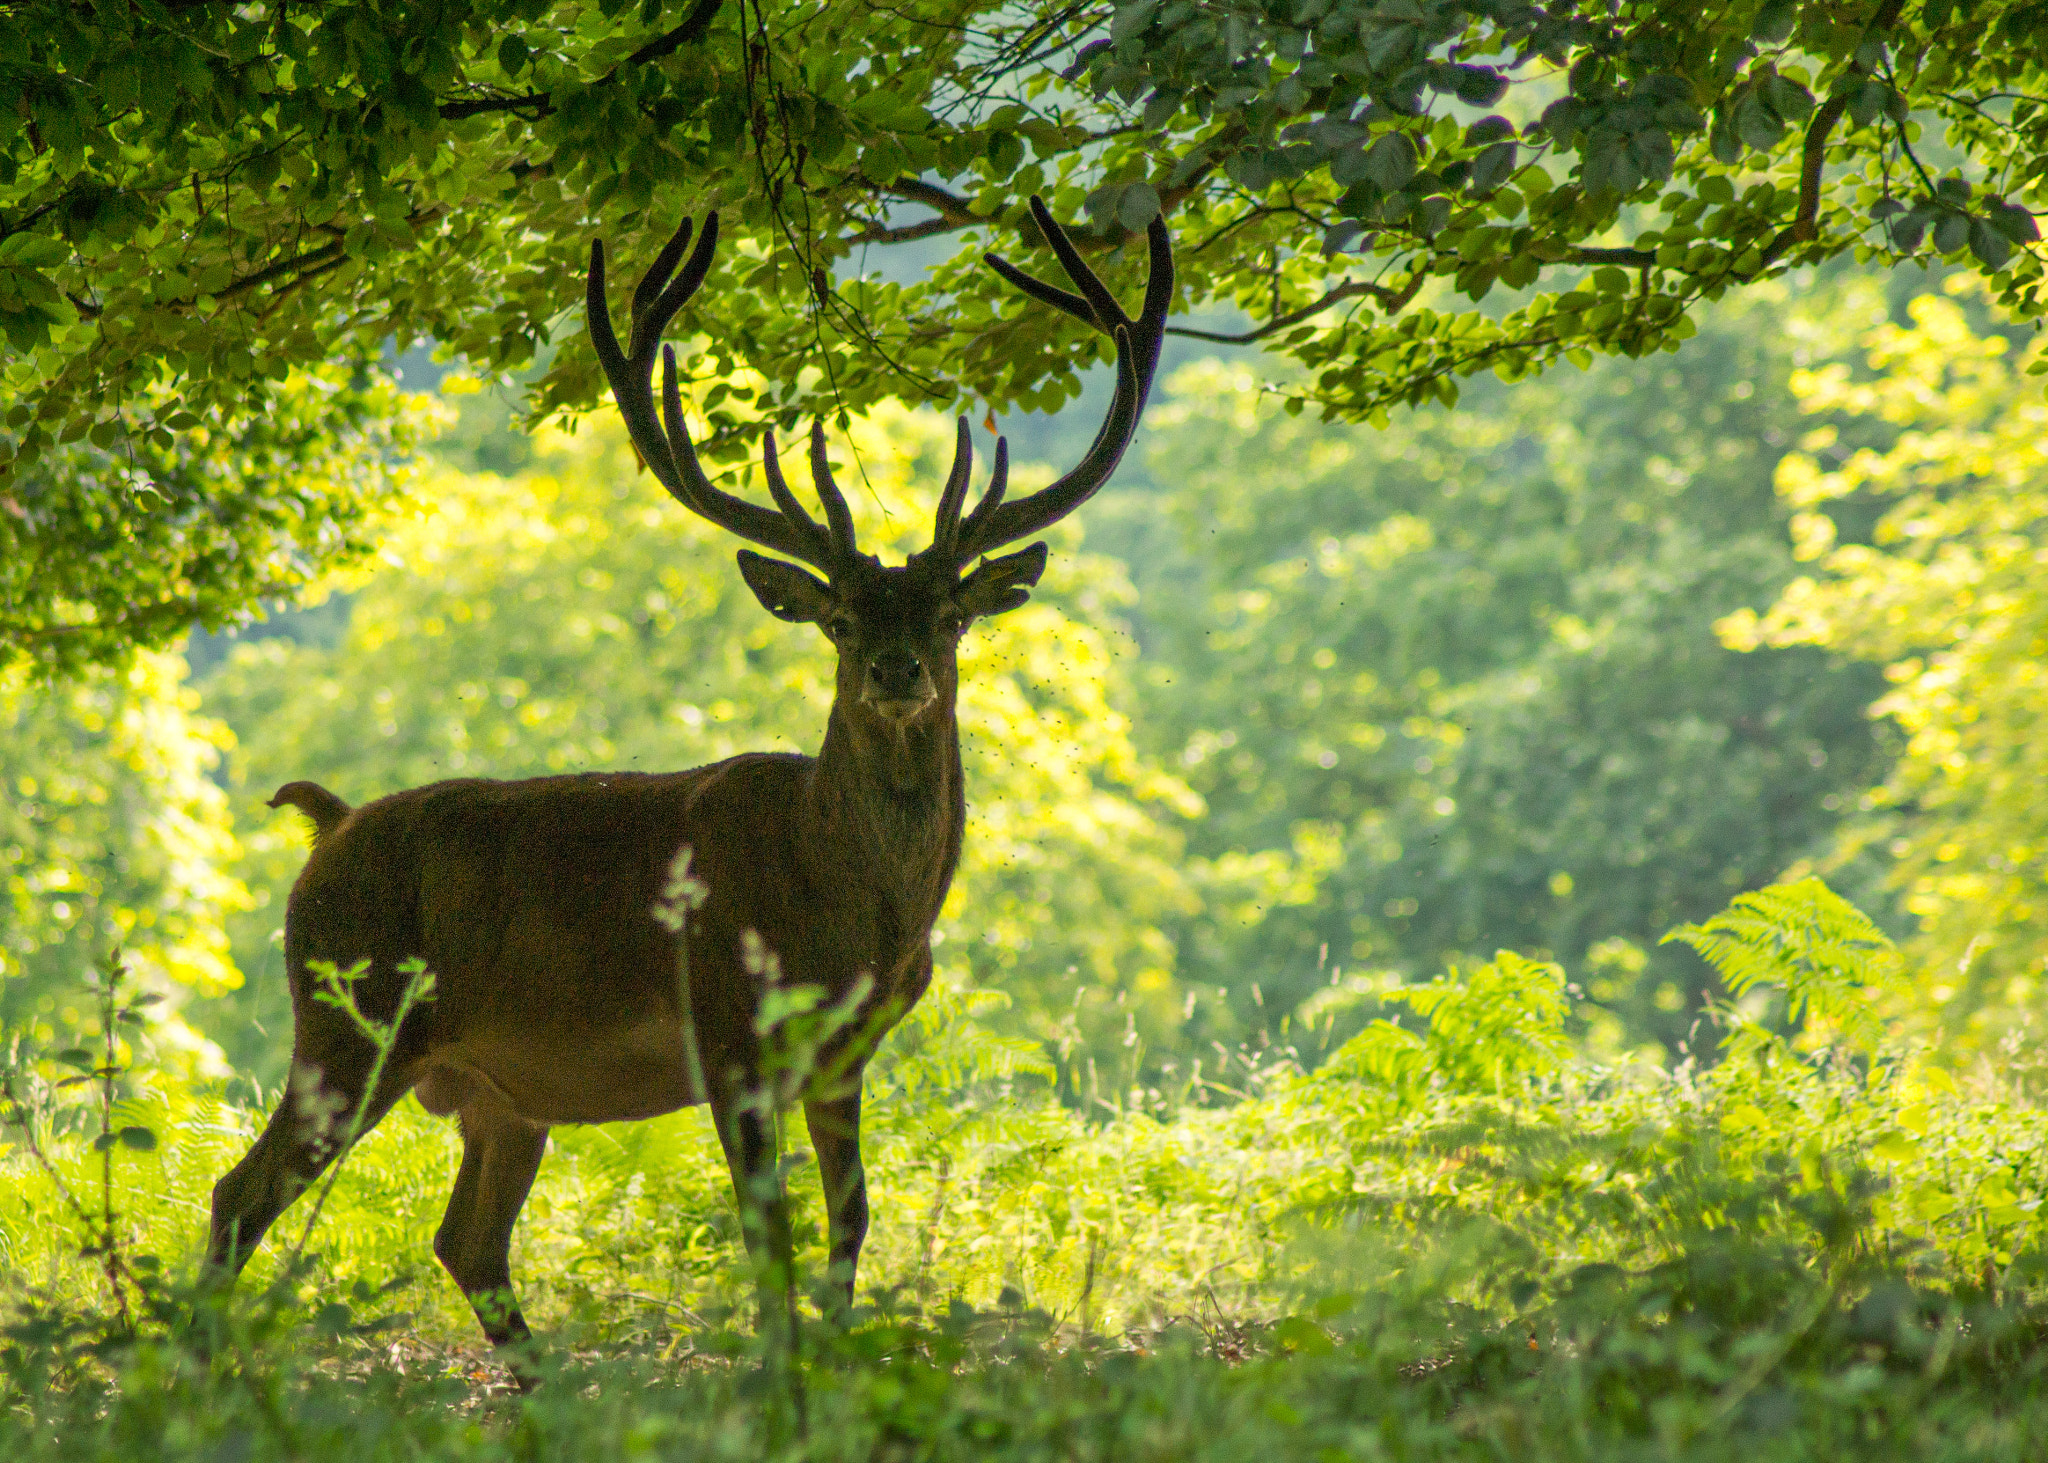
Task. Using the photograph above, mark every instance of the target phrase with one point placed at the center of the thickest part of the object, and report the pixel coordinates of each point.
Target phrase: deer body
(534, 903)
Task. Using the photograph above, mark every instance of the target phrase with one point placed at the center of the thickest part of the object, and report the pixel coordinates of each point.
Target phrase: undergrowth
(1457, 1237)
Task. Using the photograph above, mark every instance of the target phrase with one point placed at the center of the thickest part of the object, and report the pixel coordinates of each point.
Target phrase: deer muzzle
(897, 685)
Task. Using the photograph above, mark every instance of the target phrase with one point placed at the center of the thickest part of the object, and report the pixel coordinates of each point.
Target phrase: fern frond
(1803, 938)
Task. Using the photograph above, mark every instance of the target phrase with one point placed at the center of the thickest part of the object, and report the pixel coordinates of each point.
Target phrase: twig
(692, 31)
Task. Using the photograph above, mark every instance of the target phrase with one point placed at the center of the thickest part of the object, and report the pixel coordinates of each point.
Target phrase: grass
(1462, 1240)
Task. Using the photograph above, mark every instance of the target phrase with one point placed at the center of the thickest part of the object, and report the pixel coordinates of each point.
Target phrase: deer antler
(664, 441)
(995, 522)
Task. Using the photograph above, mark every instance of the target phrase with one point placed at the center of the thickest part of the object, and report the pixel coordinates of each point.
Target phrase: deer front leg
(835, 1134)
(764, 1209)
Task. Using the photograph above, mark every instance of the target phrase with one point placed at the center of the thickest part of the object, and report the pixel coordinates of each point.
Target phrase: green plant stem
(384, 1037)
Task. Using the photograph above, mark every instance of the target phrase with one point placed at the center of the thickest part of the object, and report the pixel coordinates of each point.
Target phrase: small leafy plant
(27, 1104)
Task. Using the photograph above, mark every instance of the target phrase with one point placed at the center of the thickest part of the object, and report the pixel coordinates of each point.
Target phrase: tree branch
(1390, 301)
(456, 111)
(1805, 225)
(308, 260)
(696, 25)
(1631, 257)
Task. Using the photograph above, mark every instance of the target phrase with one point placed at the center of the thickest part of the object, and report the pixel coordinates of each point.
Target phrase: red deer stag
(533, 902)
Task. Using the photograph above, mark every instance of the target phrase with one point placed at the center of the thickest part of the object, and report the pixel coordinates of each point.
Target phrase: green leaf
(139, 1138)
(1128, 20)
(1866, 102)
(1391, 161)
(1494, 167)
(1137, 206)
(2014, 223)
(1788, 98)
(1480, 86)
(1005, 153)
(1756, 124)
(1488, 129)
(1991, 247)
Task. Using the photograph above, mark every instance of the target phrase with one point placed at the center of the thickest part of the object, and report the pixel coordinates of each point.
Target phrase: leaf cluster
(201, 204)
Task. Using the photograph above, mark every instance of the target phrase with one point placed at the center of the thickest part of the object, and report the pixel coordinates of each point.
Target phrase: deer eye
(952, 623)
(839, 625)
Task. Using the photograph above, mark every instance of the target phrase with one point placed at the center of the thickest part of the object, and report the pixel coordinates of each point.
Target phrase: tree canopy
(1945, 590)
(199, 201)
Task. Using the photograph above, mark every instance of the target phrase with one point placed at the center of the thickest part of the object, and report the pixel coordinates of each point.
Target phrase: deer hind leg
(500, 1156)
(303, 1136)
(835, 1134)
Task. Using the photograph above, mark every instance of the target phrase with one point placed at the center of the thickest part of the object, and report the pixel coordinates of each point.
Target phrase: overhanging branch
(1390, 301)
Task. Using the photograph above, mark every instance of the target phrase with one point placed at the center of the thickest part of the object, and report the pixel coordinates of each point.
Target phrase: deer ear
(1001, 584)
(785, 591)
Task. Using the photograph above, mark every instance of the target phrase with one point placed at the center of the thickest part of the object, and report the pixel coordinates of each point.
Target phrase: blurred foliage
(111, 833)
(572, 616)
(108, 543)
(1948, 594)
(1458, 675)
(199, 201)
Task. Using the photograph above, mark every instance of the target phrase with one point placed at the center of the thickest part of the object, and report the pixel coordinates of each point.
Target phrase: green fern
(1831, 961)
(1501, 1024)
(945, 1045)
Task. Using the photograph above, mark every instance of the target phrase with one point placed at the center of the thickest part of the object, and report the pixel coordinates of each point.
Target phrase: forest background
(1399, 997)
(1553, 671)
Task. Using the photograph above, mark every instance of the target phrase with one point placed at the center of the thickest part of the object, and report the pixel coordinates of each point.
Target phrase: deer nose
(895, 675)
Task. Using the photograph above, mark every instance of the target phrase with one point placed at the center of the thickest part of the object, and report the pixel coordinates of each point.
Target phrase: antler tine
(635, 403)
(1137, 356)
(648, 292)
(838, 518)
(946, 522)
(778, 489)
(991, 499)
(662, 439)
(735, 515)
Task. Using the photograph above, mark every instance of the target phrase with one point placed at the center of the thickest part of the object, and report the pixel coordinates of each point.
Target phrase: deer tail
(316, 802)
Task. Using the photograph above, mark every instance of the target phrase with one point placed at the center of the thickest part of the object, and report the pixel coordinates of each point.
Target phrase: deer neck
(892, 794)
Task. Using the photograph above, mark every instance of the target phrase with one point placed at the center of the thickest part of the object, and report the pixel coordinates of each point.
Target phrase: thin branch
(1633, 258)
(696, 25)
(1805, 225)
(1350, 289)
(308, 260)
(457, 111)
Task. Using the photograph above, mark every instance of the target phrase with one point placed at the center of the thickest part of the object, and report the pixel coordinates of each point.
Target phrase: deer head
(896, 628)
